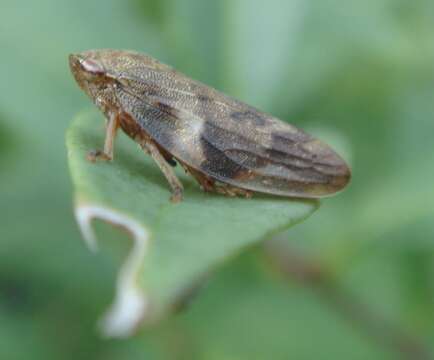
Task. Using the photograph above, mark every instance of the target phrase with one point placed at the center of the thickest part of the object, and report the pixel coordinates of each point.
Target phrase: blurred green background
(359, 280)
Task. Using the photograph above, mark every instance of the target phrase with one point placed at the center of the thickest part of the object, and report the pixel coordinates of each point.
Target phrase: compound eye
(92, 66)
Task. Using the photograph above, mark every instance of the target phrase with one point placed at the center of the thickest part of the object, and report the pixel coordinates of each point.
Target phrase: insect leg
(209, 185)
(233, 191)
(206, 183)
(107, 153)
(176, 185)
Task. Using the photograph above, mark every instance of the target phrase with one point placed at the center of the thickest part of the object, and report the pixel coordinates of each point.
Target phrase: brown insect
(229, 147)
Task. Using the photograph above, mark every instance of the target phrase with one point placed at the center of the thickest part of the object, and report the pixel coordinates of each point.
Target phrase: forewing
(273, 157)
(234, 142)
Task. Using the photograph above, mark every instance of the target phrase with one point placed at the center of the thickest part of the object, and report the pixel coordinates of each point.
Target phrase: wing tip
(341, 179)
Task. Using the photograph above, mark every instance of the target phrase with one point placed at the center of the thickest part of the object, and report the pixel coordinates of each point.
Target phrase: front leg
(177, 189)
(107, 153)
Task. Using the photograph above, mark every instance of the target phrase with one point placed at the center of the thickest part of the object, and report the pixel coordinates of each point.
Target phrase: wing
(273, 158)
(230, 141)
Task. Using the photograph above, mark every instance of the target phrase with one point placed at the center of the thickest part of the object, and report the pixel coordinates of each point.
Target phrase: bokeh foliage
(361, 69)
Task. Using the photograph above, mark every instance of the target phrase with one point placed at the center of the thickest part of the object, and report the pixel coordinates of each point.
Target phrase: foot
(176, 196)
(97, 155)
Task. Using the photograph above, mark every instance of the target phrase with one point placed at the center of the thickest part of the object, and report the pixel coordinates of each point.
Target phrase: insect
(229, 147)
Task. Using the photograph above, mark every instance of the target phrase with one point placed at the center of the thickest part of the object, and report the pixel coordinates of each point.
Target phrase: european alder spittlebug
(229, 147)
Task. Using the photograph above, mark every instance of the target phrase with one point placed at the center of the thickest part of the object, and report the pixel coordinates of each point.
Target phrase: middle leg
(177, 189)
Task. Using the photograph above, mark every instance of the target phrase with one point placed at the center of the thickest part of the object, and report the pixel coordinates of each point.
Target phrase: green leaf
(174, 245)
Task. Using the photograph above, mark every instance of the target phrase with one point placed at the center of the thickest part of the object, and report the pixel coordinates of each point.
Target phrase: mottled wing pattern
(228, 140)
(273, 157)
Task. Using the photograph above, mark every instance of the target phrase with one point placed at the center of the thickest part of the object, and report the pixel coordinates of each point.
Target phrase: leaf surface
(175, 245)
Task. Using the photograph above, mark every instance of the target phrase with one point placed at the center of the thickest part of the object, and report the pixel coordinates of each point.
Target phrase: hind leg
(205, 182)
(232, 191)
(210, 185)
